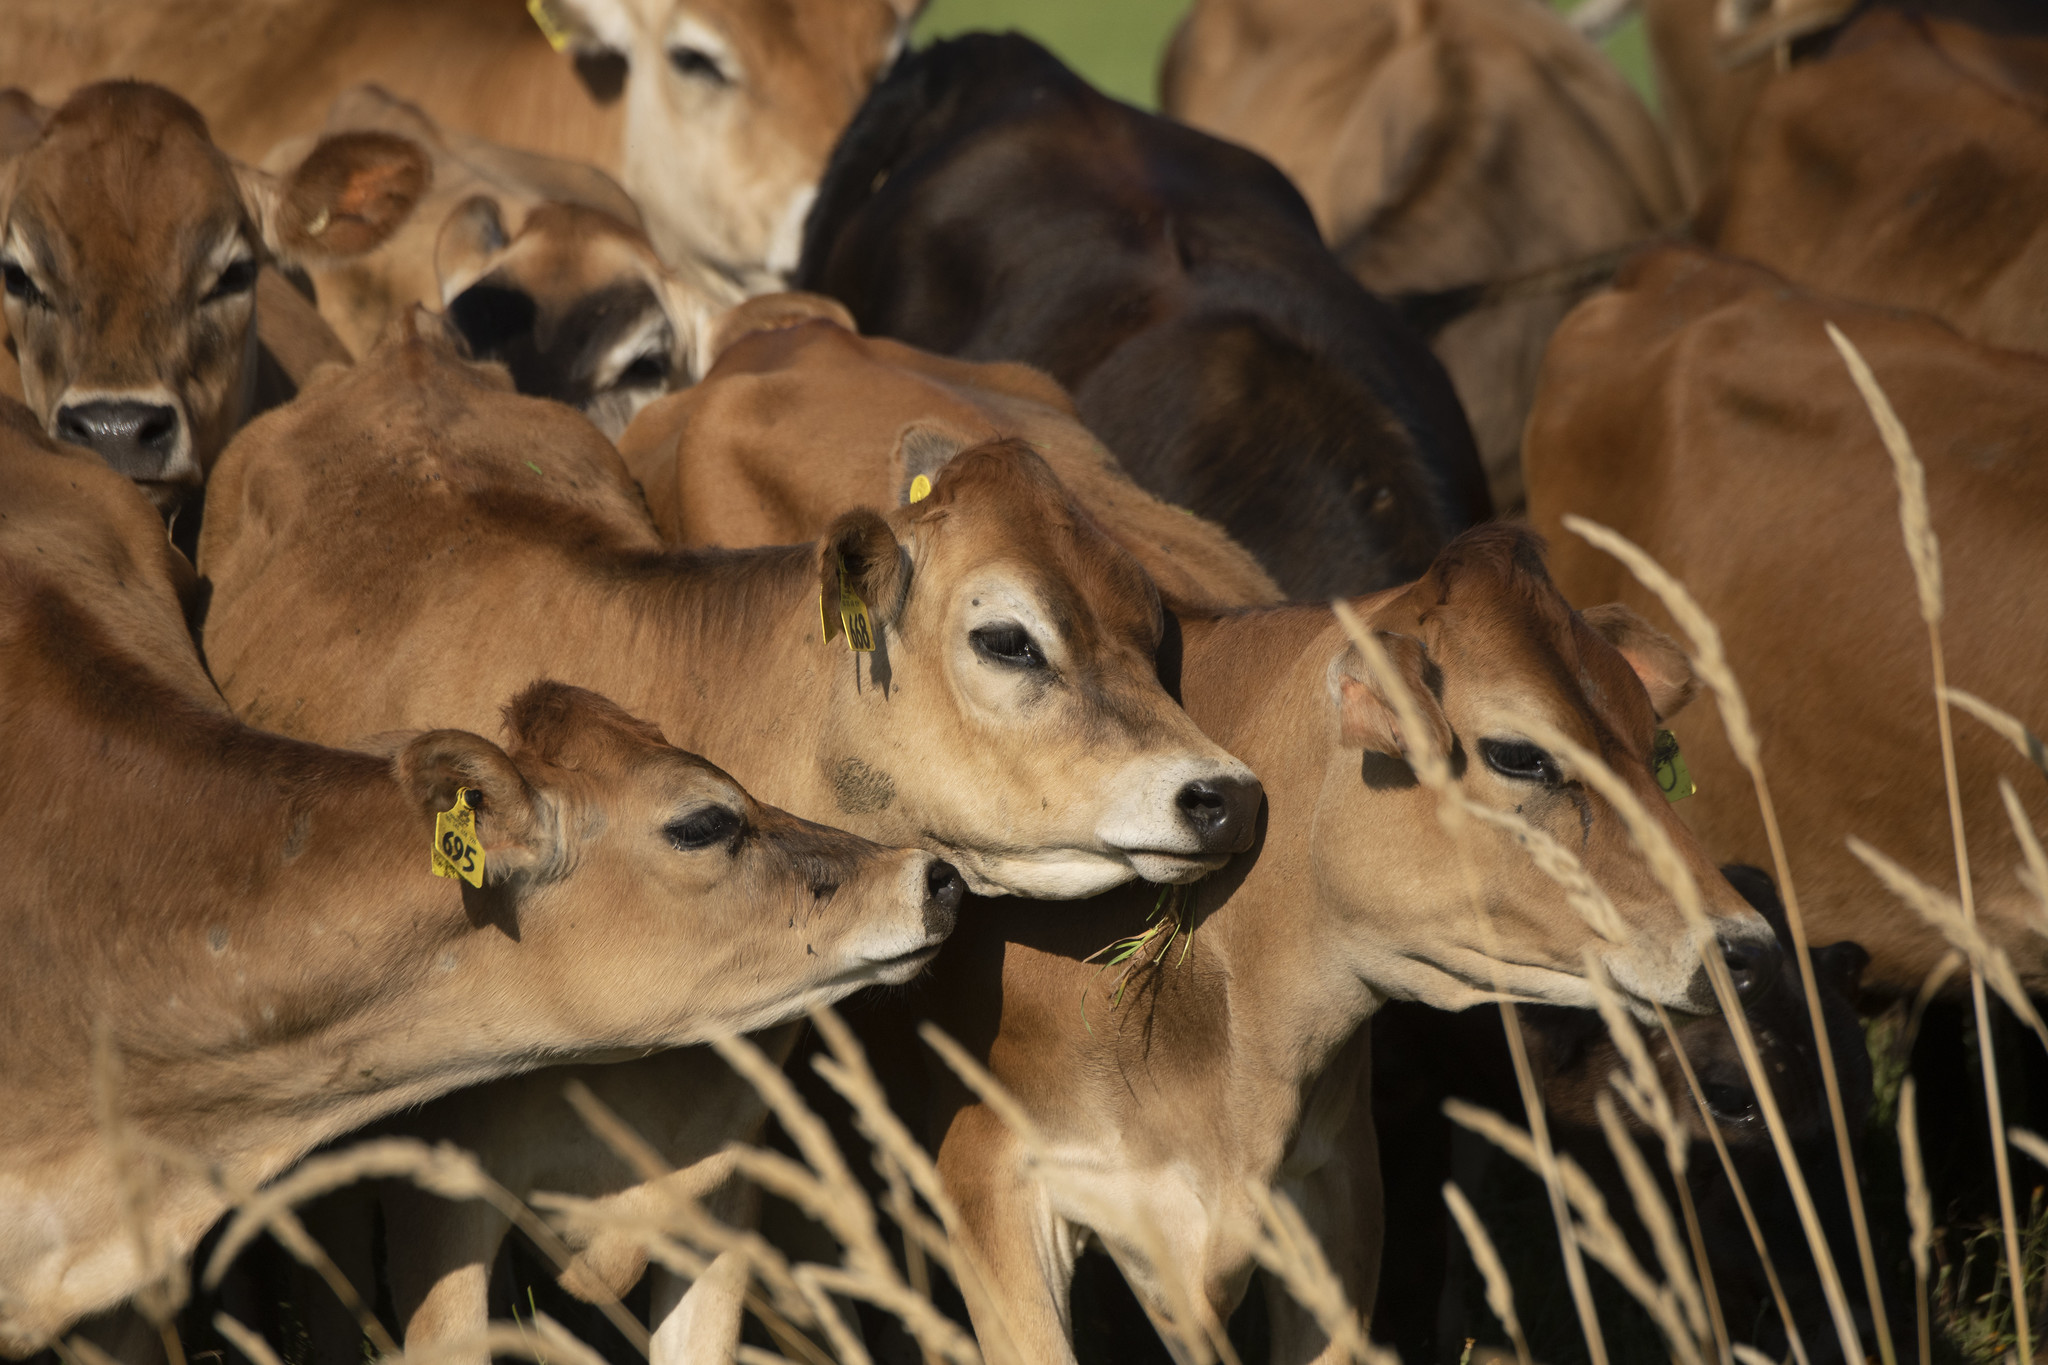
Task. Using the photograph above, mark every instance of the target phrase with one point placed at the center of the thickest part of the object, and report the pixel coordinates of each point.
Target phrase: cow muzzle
(1175, 822)
(141, 438)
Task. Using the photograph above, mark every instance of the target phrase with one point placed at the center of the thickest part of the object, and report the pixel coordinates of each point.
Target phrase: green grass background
(1116, 44)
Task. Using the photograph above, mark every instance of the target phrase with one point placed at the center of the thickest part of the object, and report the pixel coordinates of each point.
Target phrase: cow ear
(861, 543)
(21, 123)
(1664, 668)
(771, 313)
(1366, 715)
(471, 238)
(921, 452)
(511, 818)
(347, 197)
(696, 298)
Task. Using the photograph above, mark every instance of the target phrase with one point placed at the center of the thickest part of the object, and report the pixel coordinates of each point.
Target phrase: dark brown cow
(1700, 410)
(130, 248)
(248, 922)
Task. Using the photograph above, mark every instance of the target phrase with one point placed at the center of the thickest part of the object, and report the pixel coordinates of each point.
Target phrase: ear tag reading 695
(853, 617)
(1673, 777)
(457, 850)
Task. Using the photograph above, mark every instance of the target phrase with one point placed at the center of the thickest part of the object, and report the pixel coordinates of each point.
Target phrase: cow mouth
(900, 968)
(1173, 868)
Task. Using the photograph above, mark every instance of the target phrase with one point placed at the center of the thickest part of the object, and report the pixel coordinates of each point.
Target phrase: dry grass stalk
(246, 1340)
(1925, 553)
(1287, 1248)
(1710, 661)
(1500, 1293)
(1672, 1254)
(1741, 1193)
(1670, 870)
(2005, 723)
(166, 1284)
(542, 1340)
(754, 1355)
(1919, 1208)
(2034, 875)
(1453, 810)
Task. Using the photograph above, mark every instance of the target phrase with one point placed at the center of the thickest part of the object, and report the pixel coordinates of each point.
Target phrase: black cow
(988, 203)
(1429, 1298)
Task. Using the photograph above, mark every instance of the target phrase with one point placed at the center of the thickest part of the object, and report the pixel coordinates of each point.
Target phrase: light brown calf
(247, 924)
(1011, 712)
(1700, 410)
(130, 248)
(801, 419)
(1442, 144)
(1234, 1052)
(716, 114)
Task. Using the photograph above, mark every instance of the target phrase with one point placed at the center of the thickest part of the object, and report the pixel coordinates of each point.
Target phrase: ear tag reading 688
(1673, 777)
(457, 850)
(853, 617)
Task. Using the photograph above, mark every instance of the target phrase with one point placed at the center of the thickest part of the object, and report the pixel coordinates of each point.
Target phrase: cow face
(1497, 660)
(129, 246)
(576, 305)
(1011, 713)
(595, 829)
(757, 93)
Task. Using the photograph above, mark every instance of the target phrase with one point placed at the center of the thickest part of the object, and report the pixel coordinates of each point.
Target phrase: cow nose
(136, 439)
(1221, 812)
(1753, 964)
(943, 893)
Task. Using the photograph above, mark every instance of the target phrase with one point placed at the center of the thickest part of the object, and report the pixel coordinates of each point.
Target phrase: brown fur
(736, 459)
(500, 537)
(1441, 143)
(248, 923)
(1700, 411)
(1234, 1054)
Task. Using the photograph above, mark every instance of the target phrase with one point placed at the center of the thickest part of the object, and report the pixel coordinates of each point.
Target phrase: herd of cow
(965, 461)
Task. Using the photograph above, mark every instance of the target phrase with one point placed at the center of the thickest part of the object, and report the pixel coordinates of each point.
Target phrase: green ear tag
(457, 850)
(1674, 779)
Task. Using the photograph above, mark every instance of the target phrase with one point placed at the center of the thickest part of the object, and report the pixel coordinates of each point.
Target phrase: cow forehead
(787, 28)
(1091, 588)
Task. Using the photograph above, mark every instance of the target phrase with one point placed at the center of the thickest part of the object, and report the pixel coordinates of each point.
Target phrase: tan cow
(716, 114)
(1442, 144)
(801, 419)
(1233, 1051)
(1700, 410)
(1909, 167)
(1010, 711)
(245, 929)
(130, 248)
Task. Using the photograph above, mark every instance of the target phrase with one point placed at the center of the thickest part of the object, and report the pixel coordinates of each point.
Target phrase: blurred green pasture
(1117, 43)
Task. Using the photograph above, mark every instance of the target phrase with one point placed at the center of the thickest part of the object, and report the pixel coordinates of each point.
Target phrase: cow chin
(1056, 874)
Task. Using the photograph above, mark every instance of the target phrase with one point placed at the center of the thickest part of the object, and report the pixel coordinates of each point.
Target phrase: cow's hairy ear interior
(1656, 658)
(876, 567)
(770, 313)
(469, 240)
(347, 197)
(1366, 717)
(21, 123)
(515, 832)
(922, 450)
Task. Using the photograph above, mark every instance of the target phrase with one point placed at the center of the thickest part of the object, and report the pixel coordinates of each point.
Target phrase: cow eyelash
(1520, 761)
(1008, 644)
(696, 63)
(238, 278)
(18, 284)
(704, 828)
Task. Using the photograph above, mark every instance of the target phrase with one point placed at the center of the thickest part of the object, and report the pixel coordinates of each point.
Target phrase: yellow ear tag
(457, 850)
(853, 614)
(1673, 777)
(920, 488)
(551, 26)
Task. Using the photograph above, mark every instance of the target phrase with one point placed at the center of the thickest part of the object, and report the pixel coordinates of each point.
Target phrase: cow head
(1496, 658)
(129, 246)
(756, 94)
(1011, 712)
(595, 829)
(577, 306)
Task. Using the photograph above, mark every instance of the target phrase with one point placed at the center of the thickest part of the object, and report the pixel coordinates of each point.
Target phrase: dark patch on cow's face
(858, 789)
(567, 353)
(1385, 772)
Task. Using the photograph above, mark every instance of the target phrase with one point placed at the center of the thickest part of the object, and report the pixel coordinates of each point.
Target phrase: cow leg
(1017, 1256)
(1342, 1202)
(125, 1336)
(440, 1266)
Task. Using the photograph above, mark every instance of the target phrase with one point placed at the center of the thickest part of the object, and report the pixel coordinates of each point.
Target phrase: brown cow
(1234, 1053)
(737, 459)
(1010, 711)
(247, 926)
(1441, 145)
(1909, 167)
(716, 114)
(130, 248)
(1700, 410)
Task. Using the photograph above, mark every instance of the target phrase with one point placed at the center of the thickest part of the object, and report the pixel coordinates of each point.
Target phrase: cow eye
(695, 63)
(238, 278)
(19, 285)
(1521, 761)
(701, 829)
(1008, 644)
(645, 371)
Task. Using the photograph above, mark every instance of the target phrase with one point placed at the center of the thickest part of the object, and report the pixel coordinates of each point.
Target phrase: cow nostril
(1220, 811)
(136, 439)
(1752, 964)
(943, 893)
